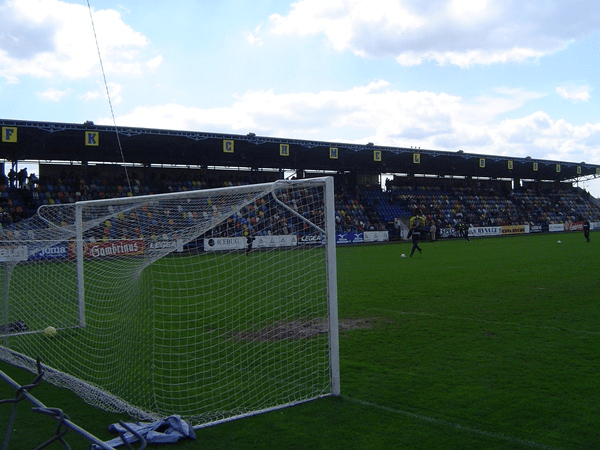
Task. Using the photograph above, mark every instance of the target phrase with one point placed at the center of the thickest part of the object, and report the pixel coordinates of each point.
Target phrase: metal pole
(67, 422)
(332, 304)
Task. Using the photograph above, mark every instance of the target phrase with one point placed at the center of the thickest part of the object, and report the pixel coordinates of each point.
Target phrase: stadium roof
(86, 142)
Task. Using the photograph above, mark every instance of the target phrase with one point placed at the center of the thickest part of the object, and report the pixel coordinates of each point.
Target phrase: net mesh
(207, 304)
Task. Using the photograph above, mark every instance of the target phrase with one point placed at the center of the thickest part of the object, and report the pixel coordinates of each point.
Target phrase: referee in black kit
(415, 232)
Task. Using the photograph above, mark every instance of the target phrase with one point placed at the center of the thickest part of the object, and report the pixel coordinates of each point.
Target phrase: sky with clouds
(499, 77)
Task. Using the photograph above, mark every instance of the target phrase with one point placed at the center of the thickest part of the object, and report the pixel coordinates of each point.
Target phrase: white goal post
(211, 304)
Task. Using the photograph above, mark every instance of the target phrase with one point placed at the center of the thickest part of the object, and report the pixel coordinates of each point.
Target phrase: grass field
(488, 344)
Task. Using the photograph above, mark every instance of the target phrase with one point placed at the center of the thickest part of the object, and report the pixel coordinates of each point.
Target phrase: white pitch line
(456, 426)
(511, 324)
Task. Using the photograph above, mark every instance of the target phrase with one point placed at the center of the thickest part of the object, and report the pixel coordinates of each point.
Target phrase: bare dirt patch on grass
(300, 329)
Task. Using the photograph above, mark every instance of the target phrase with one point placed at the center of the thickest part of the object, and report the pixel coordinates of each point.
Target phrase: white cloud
(539, 135)
(114, 90)
(499, 101)
(90, 96)
(155, 62)
(54, 39)
(457, 32)
(385, 116)
(468, 58)
(254, 38)
(53, 95)
(575, 94)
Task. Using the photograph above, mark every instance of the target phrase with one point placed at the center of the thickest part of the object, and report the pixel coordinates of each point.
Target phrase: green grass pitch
(493, 343)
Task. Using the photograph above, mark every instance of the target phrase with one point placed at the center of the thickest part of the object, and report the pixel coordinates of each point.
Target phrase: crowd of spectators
(266, 217)
(352, 215)
(260, 217)
(484, 205)
(441, 202)
(448, 204)
(21, 196)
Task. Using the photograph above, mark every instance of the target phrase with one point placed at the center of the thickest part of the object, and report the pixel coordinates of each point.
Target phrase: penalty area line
(491, 322)
(456, 426)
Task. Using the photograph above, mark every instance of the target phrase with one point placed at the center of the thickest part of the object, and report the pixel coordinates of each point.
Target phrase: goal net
(211, 304)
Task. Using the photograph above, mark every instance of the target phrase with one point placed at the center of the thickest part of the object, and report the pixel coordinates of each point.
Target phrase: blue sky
(515, 78)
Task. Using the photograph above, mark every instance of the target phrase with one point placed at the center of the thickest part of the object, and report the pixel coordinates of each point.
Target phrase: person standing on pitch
(415, 233)
(249, 241)
(466, 227)
(586, 230)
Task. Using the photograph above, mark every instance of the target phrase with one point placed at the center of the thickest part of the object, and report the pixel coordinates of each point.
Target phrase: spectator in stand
(432, 231)
(33, 180)
(249, 241)
(22, 177)
(12, 177)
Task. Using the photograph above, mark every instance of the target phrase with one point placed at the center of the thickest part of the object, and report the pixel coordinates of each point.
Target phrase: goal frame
(78, 229)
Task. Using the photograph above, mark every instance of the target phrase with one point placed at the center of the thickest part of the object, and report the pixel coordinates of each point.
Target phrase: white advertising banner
(376, 236)
(238, 243)
(311, 239)
(13, 253)
(224, 243)
(176, 244)
(288, 240)
(555, 227)
(485, 231)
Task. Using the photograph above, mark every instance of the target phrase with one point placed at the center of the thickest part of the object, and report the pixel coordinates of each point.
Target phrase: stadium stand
(444, 202)
(447, 188)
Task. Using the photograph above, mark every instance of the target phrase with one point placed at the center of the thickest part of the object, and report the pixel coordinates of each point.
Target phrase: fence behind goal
(210, 304)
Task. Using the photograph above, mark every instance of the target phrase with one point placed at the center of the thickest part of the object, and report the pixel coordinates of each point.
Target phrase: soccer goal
(211, 304)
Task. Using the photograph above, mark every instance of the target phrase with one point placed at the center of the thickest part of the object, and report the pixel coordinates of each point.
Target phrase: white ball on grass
(50, 332)
(560, 242)
(402, 255)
